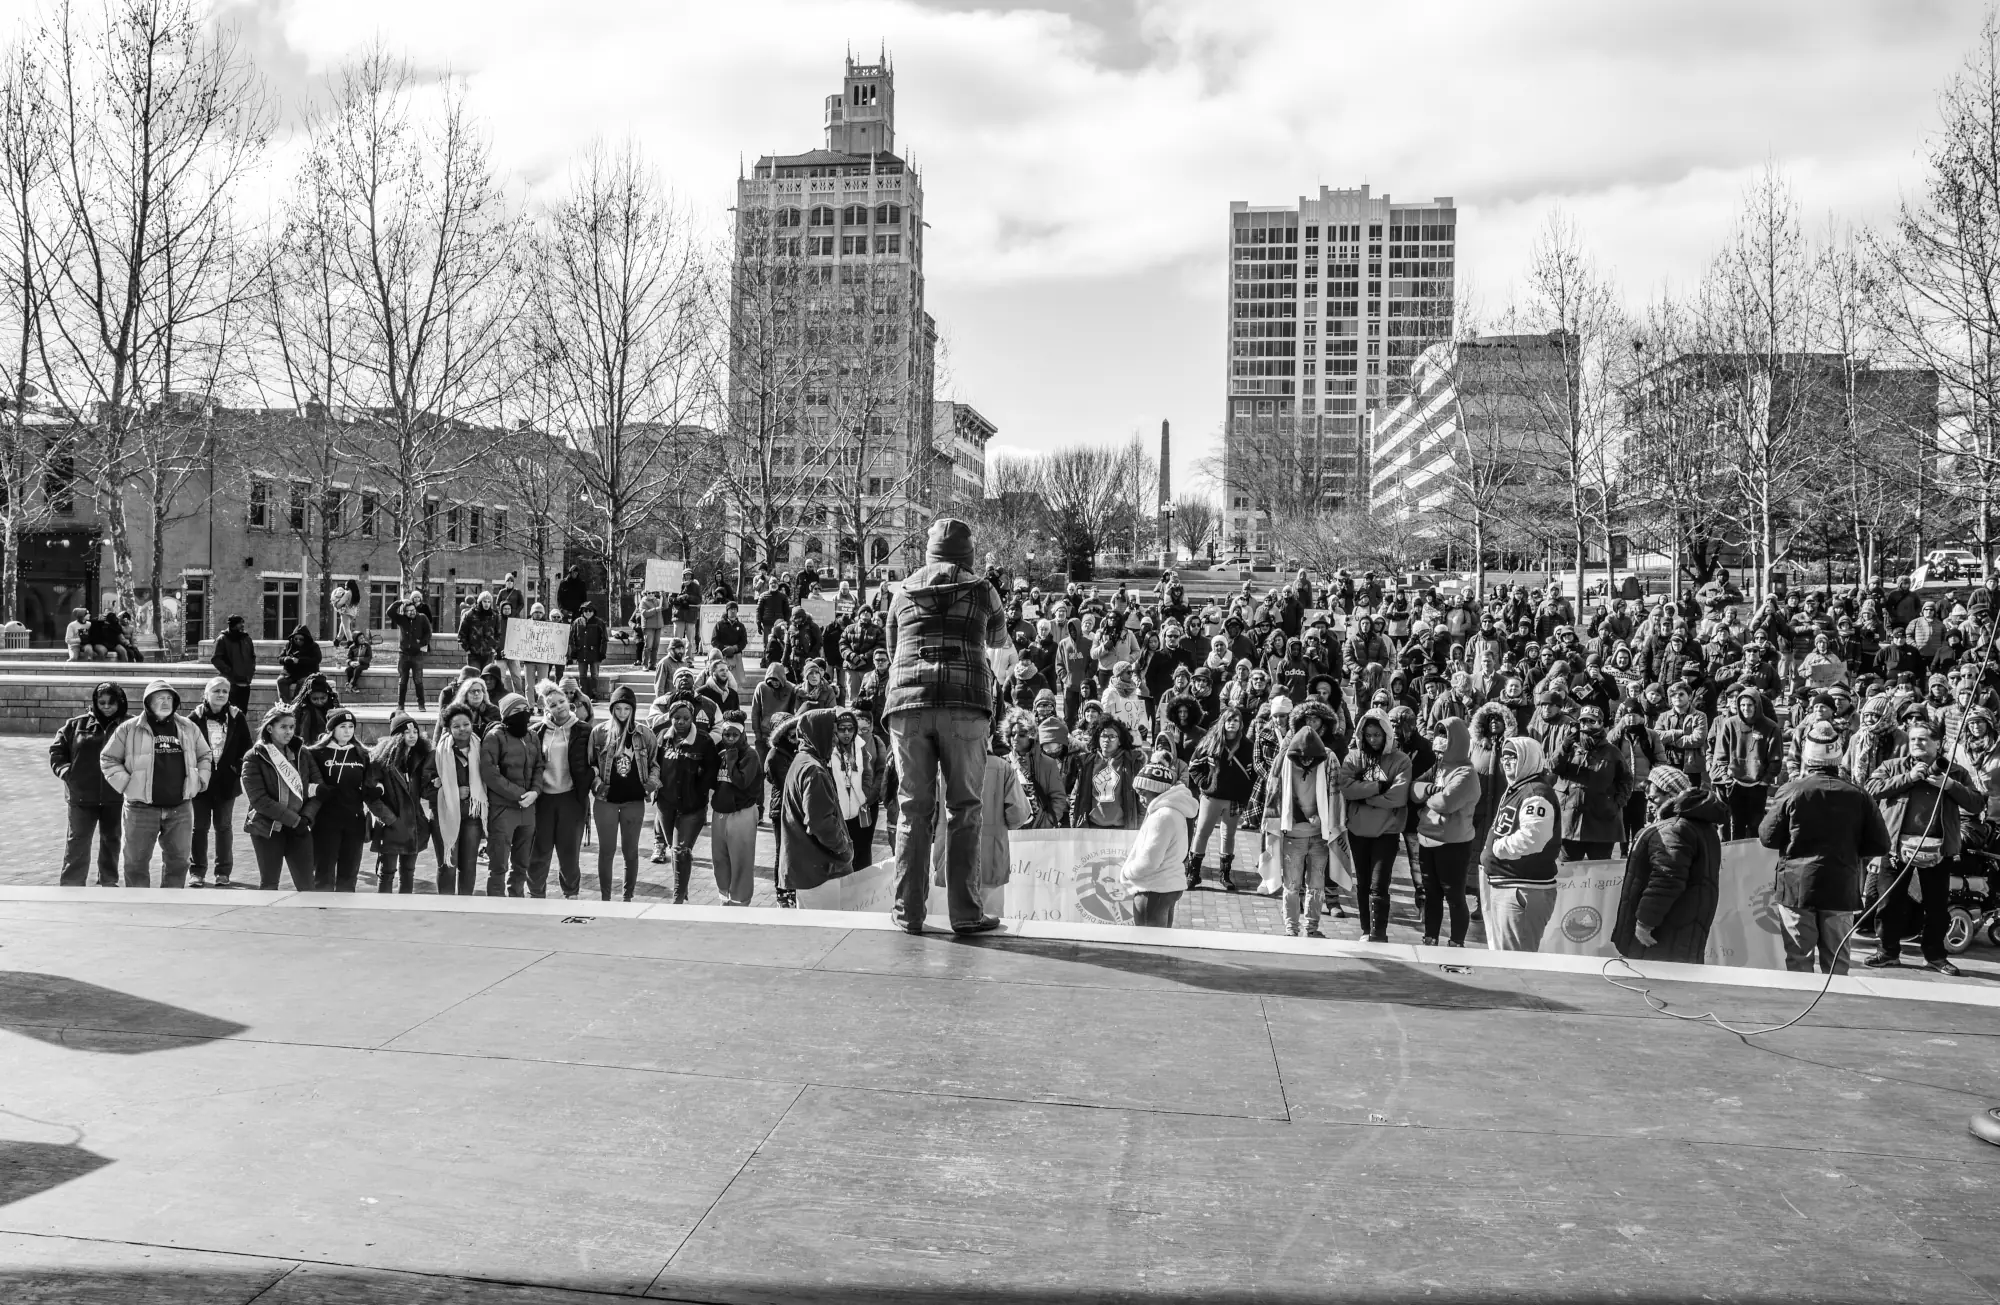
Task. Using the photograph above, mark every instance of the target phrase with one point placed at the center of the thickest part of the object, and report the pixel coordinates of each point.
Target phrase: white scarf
(847, 777)
(1332, 811)
(286, 770)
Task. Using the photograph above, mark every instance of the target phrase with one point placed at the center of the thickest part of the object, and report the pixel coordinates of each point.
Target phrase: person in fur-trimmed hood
(1672, 874)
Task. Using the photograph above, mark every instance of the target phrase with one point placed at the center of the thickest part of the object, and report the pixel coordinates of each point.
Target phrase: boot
(1193, 872)
(681, 873)
(1228, 884)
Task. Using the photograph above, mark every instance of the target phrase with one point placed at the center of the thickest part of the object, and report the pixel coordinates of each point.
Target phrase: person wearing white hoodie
(1155, 871)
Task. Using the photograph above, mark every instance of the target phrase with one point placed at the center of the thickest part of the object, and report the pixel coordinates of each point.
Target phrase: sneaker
(1313, 932)
(984, 924)
(1339, 913)
(1880, 962)
(1942, 967)
(1292, 928)
(222, 881)
(1428, 942)
(196, 881)
(659, 856)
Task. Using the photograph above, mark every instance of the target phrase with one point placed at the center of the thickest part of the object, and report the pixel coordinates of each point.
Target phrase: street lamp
(1166, 534)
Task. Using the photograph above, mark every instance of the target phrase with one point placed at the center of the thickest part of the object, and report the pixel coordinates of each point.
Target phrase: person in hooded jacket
(1416, 745)
(1152, 869)
(299, 658)
(815, 847)
(235, 659)
(510, 760)
(1377, 790)
(1305, 811)
(858, 767)
(281, 788)
(562, 788)
(1745, 760)
(686, 762)
(94, 805)
(228, 734)
(1492, 723)
(1222, 770)
(623, 758)
(1445, 802)
(160, 761)
(315, 703)
(1592, 784)
(340, 830)
(1518, 863)
(402, 779)
(1673, 874)
(460, 803)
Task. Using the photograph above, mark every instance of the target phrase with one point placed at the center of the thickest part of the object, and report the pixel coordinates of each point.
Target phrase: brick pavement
(32, 827)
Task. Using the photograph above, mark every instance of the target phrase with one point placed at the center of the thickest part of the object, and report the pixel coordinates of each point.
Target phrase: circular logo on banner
(1100, 893)
(1582, 924)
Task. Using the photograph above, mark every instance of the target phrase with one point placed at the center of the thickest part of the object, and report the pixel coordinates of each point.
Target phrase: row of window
(854, 215)
(465, 525)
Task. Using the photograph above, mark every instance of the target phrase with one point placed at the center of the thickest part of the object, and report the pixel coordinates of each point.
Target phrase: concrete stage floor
(260, 1097)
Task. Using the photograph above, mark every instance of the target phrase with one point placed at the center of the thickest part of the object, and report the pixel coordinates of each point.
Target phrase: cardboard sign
(546, 642)
(664, 577)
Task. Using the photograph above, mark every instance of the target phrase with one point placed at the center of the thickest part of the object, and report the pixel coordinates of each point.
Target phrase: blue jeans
(172, 829)
(927, 741)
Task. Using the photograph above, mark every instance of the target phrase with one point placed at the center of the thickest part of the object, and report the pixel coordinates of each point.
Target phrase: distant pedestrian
(411, 617)
(562, 788)
(235, 659)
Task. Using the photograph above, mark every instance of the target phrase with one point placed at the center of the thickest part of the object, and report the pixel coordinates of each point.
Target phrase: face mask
(517, 724)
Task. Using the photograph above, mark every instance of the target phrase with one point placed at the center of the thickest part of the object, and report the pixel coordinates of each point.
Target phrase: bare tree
(1680, 484)
(620, 331)
(1197, 523)
(155, 118)
(1087, 491)
(424, 271)
(1942, 278)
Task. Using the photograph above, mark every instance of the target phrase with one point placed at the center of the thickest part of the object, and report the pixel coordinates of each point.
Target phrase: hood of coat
(934, 588)
(1697, 804)
(162, 686)
(1305, 746)
(117, 691)
(1382, 722)
(1491, 724)
(1178, 800)
(1457, 744)
(815, 731)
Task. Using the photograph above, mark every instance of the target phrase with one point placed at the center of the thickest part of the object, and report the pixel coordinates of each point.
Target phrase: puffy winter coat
(1672, 881)
(1157, 862)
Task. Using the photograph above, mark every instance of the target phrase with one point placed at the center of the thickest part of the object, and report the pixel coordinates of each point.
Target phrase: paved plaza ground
(238, 1098)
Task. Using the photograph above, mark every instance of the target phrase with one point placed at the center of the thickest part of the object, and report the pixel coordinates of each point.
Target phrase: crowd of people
(1342, 722)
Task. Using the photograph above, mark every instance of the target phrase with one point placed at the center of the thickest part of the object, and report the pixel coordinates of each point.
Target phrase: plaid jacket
(939, 627)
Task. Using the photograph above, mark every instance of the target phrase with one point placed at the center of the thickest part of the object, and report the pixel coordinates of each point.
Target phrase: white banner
(536, 641)
(664, 577)
(1057, 874)
(1745, 931)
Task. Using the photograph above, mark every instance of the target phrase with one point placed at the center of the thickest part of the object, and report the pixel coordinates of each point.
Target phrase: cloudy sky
(1079, 156)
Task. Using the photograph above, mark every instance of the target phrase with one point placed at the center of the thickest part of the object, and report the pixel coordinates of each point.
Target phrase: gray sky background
(1079, 157)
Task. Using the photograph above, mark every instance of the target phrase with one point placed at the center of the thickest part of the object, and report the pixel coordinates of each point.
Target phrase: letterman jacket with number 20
(1522, 848)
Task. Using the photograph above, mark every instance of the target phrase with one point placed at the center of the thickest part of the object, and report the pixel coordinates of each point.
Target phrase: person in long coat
(1672, 874)
(402, 777)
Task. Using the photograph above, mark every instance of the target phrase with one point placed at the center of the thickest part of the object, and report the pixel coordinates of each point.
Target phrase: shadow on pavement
(31, 1168)
(82, 1016)
(1342, 978)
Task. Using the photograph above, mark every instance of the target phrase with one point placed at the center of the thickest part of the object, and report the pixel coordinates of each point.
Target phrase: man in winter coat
(413, 620)
(858, 643)
(228, 734)
(1823, 828)
(235, 659)
(1522, 848)
(776, 695)
(938, 707)
(94, 805)
(1592, 784)
(587, 638)
(159, 761)
(510, 759)
(1923, 798)
(815, 846)
(1673, 874)
(481, 632)
(1747, 756)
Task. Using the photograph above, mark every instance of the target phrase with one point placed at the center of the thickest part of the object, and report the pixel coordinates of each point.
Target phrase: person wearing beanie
(1672, 874)
(1154, 869)
(160, 762)
(402, 782)
(938, 709)
(622, 760)
(94, 806)
(228, 732)
(281, 786)
(1824, 828)
(510, 758)
(340, 830)
(1925, 798)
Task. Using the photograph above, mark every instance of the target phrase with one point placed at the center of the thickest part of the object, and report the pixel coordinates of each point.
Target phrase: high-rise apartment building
(1331, 301)
(832, 356)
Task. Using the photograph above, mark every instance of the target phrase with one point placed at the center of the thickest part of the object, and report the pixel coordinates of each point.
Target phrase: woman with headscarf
(281, 786)
(340, 830)
(460, 803)
(622, 753)
(401, 778)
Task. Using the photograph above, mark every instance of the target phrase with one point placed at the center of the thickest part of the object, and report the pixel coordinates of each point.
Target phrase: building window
(819, 244)
(381, 597)
(464, 595)
(453, 520)
(788, 217)
(475, 526)
(330, 508)
(194, 609)
(854, 244)
(822, 216)
(260, 505)
(875, 485)
(888, 215)
(281, 608)
(59, 483)
(888, 244)
(430, 520)
(499, 527)
(295, 508)
(854, 215)
(370, 510)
